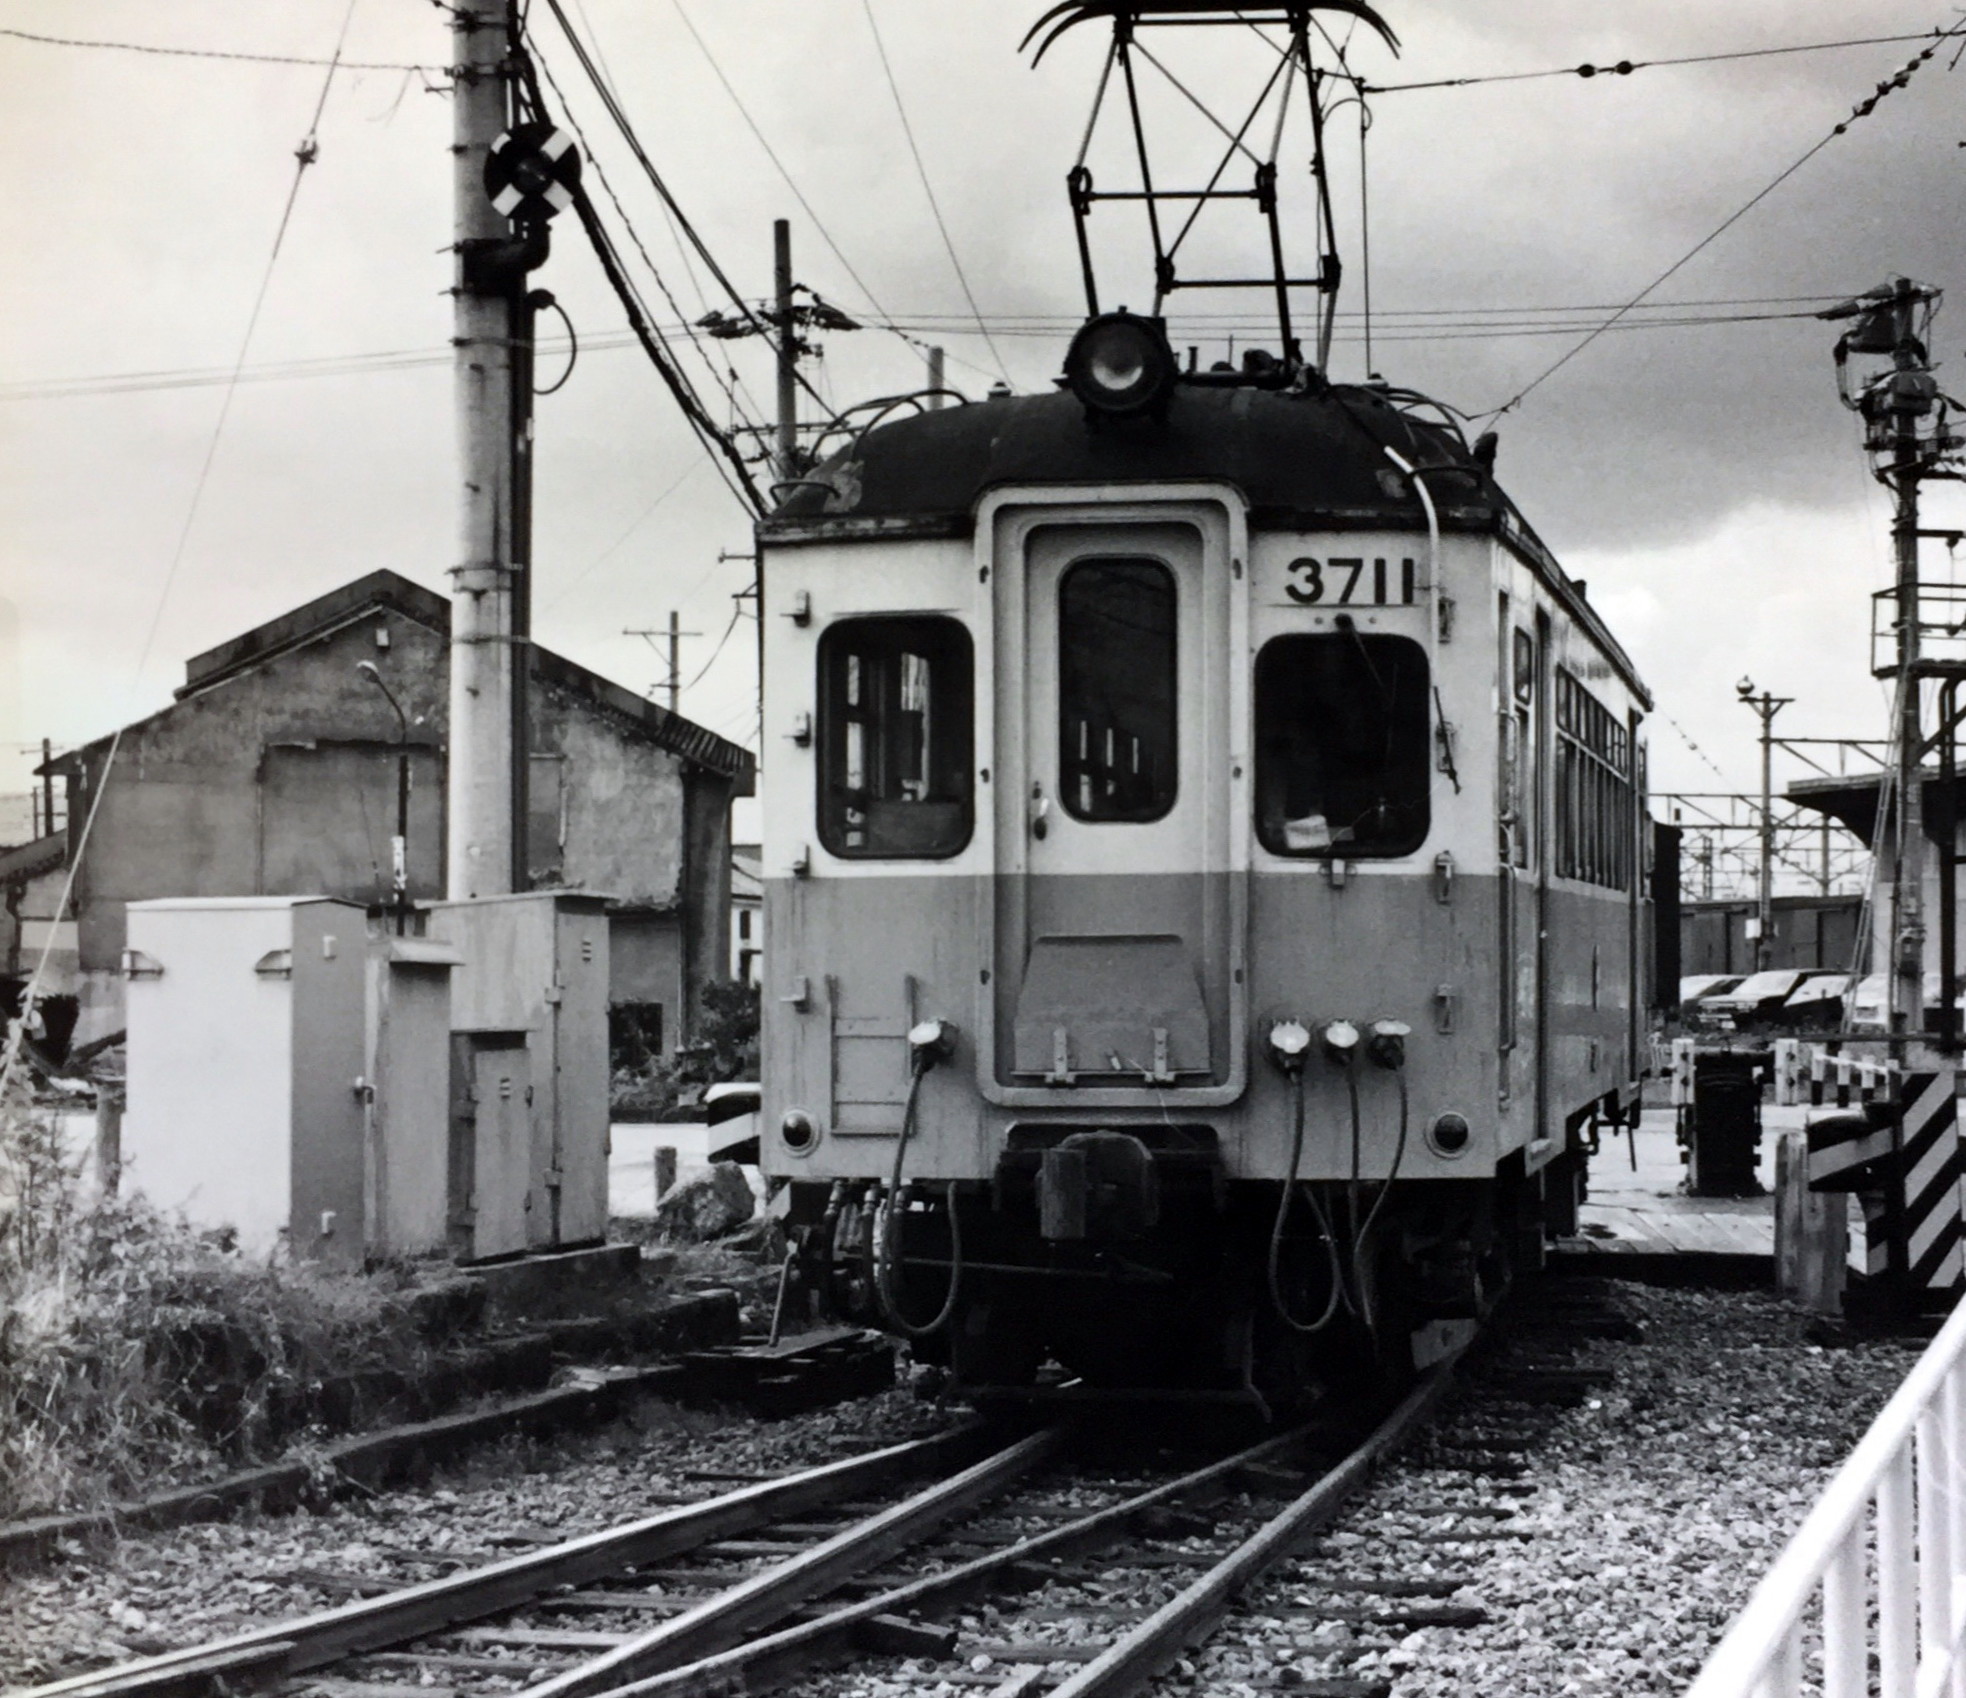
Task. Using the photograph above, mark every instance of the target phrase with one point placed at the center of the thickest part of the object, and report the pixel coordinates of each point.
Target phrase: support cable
(771, 153)
(759, 323)
(639, 320)
(921, 171)
(332, 64)
(744, 487)
(683, 325)
(1862, 110)
(305, 155)
(703, 671)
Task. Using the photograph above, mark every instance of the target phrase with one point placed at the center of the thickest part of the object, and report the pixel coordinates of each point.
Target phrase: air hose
(1379, 1202)
(1317, 1213)
(889, 1231)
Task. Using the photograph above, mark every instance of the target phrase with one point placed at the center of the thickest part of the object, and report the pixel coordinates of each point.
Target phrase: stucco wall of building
(279, 778)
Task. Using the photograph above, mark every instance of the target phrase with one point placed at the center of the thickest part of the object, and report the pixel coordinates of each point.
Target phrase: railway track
(1050, 1561)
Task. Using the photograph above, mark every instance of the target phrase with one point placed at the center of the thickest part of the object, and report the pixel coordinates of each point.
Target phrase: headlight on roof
(1120, 363)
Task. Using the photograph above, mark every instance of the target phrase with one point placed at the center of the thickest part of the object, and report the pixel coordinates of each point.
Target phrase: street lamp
(399, 845)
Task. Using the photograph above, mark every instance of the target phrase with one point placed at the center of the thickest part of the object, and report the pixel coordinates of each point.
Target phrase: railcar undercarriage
(1114, 1263)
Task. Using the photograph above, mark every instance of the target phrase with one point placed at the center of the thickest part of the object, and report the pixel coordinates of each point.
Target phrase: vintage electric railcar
(1204, 876)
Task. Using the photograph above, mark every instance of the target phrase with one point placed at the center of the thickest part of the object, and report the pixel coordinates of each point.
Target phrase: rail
(1885, 1545)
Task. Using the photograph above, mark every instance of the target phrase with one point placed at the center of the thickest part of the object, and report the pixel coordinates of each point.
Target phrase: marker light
(1387, 1045)
(1340, 1039)
(1120, 363)
(798, 1132)
(1289, 1039)
(932, 1040)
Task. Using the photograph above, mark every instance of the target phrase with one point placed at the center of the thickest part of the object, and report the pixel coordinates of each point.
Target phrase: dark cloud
(1656, 457)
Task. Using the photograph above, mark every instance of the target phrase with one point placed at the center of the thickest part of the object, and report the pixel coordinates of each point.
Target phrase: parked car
(1696, 987)
(1754, 1003)
(1865, 1011)
(1815, 1005)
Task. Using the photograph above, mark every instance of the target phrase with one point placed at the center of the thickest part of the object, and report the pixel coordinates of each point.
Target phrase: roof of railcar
(1304, 458)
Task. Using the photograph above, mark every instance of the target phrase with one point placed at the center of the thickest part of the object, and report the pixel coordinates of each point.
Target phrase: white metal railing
(1885, 1547)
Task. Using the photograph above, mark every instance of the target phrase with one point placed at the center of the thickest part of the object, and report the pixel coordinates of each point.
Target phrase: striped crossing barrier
(1812, 1073)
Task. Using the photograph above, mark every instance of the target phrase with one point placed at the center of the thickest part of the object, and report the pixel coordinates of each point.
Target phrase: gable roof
(387, 589)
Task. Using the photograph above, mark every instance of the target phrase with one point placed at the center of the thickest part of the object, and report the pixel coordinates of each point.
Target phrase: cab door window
(895, 712)
(1117, 660)
(1343, 731)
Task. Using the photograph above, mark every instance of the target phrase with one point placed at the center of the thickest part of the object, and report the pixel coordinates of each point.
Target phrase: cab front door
(1118, 919)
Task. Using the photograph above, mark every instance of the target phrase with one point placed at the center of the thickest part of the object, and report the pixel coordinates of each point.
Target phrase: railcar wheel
(994, 1341)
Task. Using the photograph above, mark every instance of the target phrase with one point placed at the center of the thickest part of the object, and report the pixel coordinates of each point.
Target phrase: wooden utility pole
(1766, 706)
(486, 624)
(672, 637)
(935, 379)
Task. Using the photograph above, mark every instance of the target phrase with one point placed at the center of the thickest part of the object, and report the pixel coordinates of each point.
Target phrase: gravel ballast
(1653, 1509)
(157, 1592)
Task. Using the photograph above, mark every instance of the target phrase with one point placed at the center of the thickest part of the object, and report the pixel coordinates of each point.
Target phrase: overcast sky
(1703, 478)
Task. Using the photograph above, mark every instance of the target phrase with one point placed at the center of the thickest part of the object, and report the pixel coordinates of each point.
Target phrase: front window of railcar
(1116, 690)
(894, 738)
(1343, 763)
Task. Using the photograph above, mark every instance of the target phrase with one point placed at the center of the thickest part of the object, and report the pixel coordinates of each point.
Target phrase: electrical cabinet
(534, 966)
(247, 1094)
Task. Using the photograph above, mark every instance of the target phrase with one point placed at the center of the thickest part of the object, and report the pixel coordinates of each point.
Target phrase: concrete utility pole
(484, 630)
(509, 180)
(1767, 706)
(935, 378)
(786, 461)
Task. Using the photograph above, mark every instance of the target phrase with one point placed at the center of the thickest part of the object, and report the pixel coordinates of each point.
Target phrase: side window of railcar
(1593, 789)
(1116, 690)
(895, 733)
(1342, 745)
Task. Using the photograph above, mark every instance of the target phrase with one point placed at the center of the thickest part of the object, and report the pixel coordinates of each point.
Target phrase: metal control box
(534, 964)
(246, 1071)
(406, 1169)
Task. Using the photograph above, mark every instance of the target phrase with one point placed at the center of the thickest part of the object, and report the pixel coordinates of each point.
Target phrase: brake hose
(890, 1235)
(1317, 1213)
(1379, 1202)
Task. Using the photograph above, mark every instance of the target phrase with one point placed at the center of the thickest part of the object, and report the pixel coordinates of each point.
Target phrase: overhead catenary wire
(304, 155)
(160, 51)
(1862, 110)
(1408, 325)
(928, 188)
(1625, 67)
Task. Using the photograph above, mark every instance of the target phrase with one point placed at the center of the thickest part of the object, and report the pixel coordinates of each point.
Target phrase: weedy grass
(136, 1352)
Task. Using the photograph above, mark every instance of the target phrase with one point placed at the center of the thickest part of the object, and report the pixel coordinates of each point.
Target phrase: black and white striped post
(1901, 1154)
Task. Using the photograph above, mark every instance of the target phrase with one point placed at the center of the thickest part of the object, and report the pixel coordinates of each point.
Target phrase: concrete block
(1811, 1231)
